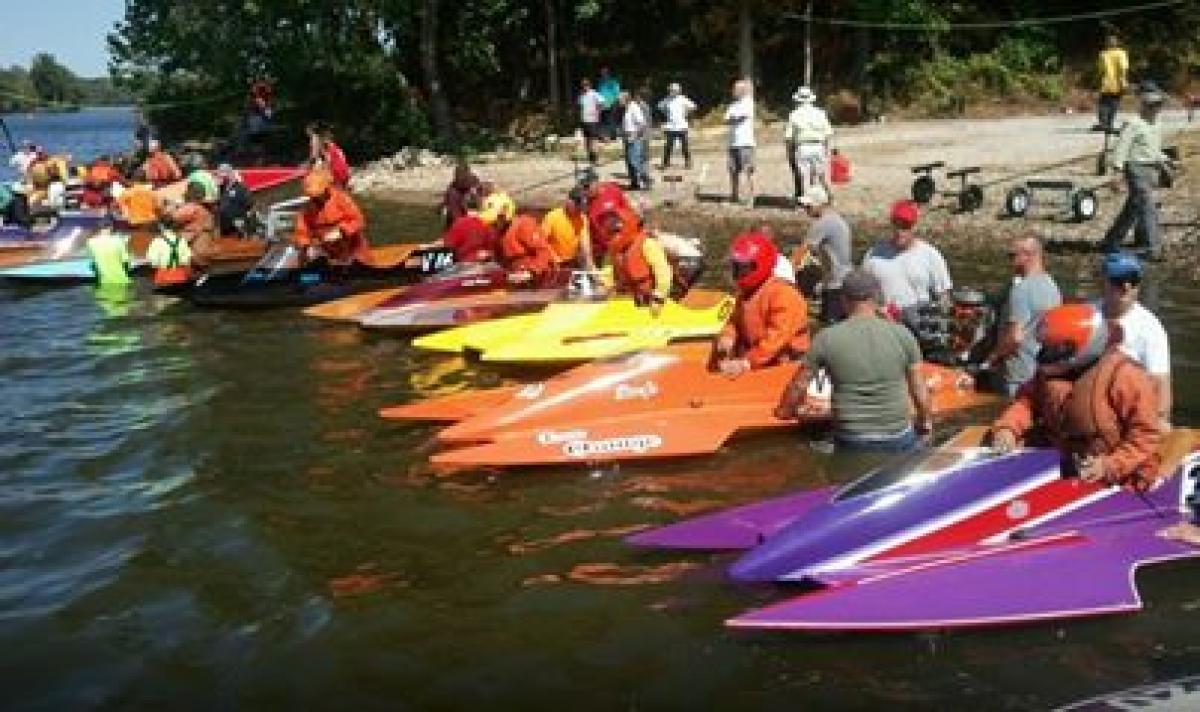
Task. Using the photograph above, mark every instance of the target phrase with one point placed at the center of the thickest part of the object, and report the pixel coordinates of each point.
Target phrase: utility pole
(808, 62)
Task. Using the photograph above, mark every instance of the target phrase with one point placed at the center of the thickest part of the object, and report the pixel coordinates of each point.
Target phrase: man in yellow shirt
(566, 229)
(1114, 79)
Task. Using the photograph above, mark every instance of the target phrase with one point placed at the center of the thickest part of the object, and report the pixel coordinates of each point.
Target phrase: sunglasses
(1131, 280)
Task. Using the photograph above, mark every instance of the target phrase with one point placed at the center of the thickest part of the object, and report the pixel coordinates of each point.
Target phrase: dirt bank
(1007, 150)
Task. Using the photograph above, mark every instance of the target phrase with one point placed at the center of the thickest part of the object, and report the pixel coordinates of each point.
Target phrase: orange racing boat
(654, 404)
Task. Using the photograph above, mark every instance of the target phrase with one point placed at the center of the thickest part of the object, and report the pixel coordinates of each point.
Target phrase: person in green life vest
(110, 255)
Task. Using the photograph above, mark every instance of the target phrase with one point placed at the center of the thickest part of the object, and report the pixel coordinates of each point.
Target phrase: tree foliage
(46, 84)
(386, 73)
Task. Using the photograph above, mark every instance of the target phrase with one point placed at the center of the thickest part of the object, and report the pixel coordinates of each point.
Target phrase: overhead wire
(989, 25)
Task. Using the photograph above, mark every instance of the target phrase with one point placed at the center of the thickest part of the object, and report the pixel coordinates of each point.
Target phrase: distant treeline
(48, 85)
(387, 73)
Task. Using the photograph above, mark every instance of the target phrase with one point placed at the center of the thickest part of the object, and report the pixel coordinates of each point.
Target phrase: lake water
(82, 134)
(201, 509)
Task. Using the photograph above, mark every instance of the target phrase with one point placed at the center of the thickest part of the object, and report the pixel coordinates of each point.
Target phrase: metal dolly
(969, 196)
(1078, 203)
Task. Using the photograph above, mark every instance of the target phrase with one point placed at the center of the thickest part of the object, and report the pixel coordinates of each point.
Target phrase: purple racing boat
(955, 538)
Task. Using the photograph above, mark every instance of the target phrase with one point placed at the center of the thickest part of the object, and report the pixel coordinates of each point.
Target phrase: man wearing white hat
(830, 241)
(807, 139)
(1139, 155)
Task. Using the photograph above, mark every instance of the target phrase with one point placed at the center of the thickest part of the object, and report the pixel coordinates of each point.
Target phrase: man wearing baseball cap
(1139, 155)
(910, 270)
(829, 240)
(872, 364)
(1144, 338)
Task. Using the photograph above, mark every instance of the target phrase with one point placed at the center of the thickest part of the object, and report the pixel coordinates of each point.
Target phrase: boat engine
(957, 333)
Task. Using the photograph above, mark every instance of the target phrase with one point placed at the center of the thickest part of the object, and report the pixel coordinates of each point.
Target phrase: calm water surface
(203, 507)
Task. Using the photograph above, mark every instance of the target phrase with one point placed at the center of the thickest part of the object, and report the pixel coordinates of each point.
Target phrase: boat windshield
(916, 467)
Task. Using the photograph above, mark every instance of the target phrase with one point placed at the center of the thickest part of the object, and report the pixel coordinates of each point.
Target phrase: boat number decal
(555, 437)
(436, 260)
(1017, 509)
(725, 310)
(531, 391)
(631, 391)
(639, 444)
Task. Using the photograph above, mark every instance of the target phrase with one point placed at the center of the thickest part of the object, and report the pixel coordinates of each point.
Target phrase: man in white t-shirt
(676, 107)
(740, 119)
(910, 271)
(635, 130)
(806, 138)
(1144, 338)
(590, 105)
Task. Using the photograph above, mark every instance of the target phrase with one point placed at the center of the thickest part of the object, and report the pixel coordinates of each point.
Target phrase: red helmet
(1073, 335)
(752, 258)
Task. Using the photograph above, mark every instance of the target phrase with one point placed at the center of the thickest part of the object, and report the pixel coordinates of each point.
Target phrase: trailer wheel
(971, 199)
(923, 189)
(1016, 202)
(1084, 204)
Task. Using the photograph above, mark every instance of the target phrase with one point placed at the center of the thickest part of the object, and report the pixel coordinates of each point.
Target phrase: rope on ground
(993, 25)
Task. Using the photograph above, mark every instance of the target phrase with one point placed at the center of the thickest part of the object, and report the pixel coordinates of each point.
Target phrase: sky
(74, 31)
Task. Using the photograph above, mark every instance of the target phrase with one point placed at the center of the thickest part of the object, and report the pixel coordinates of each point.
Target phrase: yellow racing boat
(582, 331)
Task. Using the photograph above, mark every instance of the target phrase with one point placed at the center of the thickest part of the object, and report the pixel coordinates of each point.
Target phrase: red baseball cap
(905, 213)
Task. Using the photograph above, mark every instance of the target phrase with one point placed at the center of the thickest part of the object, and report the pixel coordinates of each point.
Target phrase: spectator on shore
(160, 167)
(635, 130)
(464, 189)
(740, 119)
(676, 107)
(1139, 156)
(1114, 80)
(591, 105)
(610, 91)
(806, 138)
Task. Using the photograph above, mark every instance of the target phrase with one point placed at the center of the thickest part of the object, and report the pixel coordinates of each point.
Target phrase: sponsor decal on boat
(555, 437)
(532, 391)
(638, 444)
(630, 391)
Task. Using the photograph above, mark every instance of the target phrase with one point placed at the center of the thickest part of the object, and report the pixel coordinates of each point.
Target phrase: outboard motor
(956, 334)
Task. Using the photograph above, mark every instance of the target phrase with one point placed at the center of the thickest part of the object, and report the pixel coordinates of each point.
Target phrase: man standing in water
(740, 119)
(873, 364)
(1031, 293)
(1139, 155)
(1143, 337)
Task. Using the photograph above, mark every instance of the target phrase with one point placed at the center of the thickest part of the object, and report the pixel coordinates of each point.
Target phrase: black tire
(1016, 202)
(1084, 204)
(971, 199)
(923, 189)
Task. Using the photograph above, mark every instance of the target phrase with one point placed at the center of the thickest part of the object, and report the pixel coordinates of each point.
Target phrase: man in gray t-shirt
(910, 271)
(1030, 295)
(829, 241)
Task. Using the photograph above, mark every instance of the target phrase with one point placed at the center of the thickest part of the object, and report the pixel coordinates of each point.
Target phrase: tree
(54, 83)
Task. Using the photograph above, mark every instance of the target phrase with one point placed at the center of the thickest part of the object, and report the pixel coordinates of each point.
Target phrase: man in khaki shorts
(740, 119)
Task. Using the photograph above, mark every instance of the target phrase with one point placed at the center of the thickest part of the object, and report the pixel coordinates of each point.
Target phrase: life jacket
(523, 248)
(339, 167)
(755, 315)
(470, 238)
(174, 272)
(1088, 419)
(631, 271)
